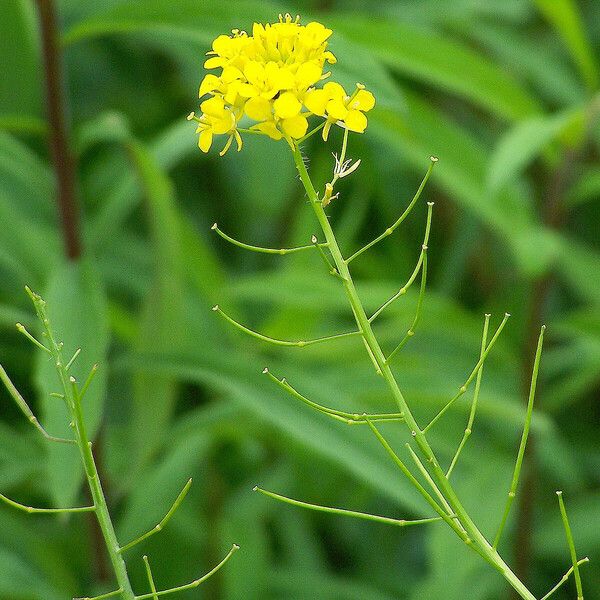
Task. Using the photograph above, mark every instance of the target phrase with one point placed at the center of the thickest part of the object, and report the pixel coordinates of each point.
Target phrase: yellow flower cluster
(270, 78)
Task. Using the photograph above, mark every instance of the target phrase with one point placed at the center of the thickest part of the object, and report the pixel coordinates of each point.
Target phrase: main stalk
(481, 545)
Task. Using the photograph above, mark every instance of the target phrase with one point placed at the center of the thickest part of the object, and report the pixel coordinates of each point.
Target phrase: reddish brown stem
(64, 163)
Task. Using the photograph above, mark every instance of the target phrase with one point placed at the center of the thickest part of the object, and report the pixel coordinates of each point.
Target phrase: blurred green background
(506, 94)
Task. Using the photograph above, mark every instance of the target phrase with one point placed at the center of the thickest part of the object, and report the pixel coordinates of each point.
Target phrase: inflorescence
(271, 79)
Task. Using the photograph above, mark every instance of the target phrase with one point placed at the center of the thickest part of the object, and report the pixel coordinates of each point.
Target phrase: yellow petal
(356, 121)
(316, 101)
(330, 57)
(364, 100)
(232, 92)
(318, 32)
(209, 84)
(287, 106)
(270, 129)
(258, 30)
(334, 90)
(224, 124)
(238, 140)
(247, 91)
(254, 73)
(214, 107)
(308, 74)
(226, 147)
(336, 109)
(222, 44)
(214, 62)
(230, 74)
(258, 108)
(205, 140)
(295, 127)
(280, 79)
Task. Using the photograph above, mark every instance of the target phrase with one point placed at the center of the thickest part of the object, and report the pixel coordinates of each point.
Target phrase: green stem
(281, 251)
(160, 526)
(103, 596)
(465, 386)
(564, 578)
(73, 402)
(469, 427)
(345, 512)
(275, 341)
(411, 279)
(340, 415)
(45, 511)
(193, 584)
(24, 408)
(400, 219)
(379, 359)
(521, 453)
(571, 543)
(150, 577)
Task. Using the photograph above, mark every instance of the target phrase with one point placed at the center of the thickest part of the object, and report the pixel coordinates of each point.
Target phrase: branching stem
(339, 415)
(193, 584)
(521, 453)
(478, 540)
(150, 577)
(345, 512)
(24, 407)
(270, 340)
(72, 397)
(45, 511)
(571, 543)
(469, 427)
(160, 526)
(465, 386)
(262, 250)
(403, 216)
(103, 596)
(415, 272)
(564, 578)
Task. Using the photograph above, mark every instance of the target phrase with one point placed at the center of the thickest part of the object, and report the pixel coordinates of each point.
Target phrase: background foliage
(505, 92)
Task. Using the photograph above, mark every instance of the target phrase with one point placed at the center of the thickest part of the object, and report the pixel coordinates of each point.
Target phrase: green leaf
(585, 189)
(77, 310)
(439, 61)
(19, 456)
(523, 143)
(108, 127)
(168, 149)
(461, 172)
(293, 584)
(565, 17)
(31, 250)
(198, 20)
(579, 265)
(550, 71)
(20, 84)
(355, 63)
(161, 326)
(244, 385)
(26, 178)
(26, 124)
(20, 581)
(243, 523)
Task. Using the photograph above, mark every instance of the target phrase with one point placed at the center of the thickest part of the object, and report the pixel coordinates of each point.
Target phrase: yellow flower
(333, 102)
(218, 119)
(271, 78)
